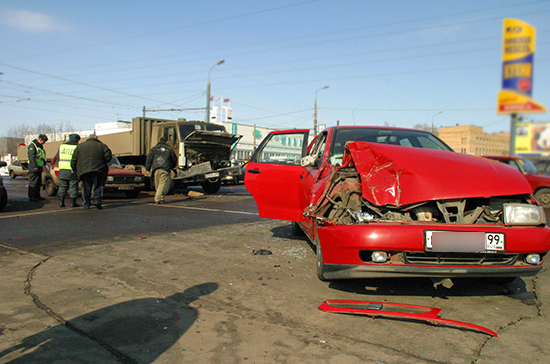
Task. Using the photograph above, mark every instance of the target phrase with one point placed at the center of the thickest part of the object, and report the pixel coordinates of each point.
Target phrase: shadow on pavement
(136, 331)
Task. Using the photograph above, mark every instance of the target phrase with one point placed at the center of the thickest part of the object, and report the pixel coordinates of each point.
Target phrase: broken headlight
(520, 214)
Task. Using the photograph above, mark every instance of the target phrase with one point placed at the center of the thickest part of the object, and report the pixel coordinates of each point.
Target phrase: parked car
(118, 180)
(539, 182)
(543, 165)
(15, 169)
(235, 176)
(392, 202)
(3, 193)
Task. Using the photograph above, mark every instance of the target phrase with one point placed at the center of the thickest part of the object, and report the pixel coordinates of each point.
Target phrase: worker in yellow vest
(67, 178)
(37, 160)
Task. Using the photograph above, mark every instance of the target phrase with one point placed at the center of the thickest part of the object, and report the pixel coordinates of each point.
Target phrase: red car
(539, 182)
(392, 202)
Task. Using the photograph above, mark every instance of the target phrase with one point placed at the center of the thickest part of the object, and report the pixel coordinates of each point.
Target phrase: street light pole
(433, 129)
(315, 112)
(208, 91)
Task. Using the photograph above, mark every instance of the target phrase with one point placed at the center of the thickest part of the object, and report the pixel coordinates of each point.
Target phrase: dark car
(540, 183)
(118, 180)
(3, 193)
(16, 169)
(393, 202)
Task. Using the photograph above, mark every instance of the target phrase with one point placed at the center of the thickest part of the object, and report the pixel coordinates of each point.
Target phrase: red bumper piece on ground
(397, 310)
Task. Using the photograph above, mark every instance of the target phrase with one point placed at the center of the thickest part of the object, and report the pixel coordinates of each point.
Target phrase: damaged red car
(393, 202)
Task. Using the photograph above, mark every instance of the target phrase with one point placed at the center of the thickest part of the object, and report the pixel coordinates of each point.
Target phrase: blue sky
(394, 62)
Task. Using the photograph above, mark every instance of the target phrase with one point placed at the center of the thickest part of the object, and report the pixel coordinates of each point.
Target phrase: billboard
(532, 139)
(518, 52)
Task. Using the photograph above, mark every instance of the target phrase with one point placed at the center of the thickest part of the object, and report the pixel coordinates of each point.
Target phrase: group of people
(88, 162)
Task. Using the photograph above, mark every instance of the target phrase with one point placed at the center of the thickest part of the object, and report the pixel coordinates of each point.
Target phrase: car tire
(320, 262)
(543, 196)
(50, 187)
(296, 229)
(211, 187)
(3, 198)
(12, 175)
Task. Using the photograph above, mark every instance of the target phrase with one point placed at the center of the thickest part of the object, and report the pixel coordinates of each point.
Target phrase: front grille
(459, 258)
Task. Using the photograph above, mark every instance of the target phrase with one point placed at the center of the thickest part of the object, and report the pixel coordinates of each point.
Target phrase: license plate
(212, 175)
(464, 242)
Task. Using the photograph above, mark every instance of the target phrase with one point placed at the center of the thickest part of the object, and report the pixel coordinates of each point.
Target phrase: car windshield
(114, 163)
(406, 138)
(527, 166)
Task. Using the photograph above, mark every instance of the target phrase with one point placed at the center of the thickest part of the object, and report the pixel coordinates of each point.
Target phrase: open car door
(274, 174)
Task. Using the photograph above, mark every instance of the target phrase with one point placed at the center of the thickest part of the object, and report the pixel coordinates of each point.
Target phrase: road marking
(206, 209)
(29, 214)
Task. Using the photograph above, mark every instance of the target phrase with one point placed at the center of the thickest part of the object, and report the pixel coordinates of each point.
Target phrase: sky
(396, 62)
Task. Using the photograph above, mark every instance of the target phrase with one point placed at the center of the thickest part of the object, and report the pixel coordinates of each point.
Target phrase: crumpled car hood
(397, 175)
(216, 138)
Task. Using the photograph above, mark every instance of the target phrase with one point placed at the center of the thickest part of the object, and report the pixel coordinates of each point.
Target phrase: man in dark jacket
(67, 178)
(37, 160)
(160, 161)
(89, 162)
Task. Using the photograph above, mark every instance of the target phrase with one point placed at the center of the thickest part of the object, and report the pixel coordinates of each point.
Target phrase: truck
(203, 149)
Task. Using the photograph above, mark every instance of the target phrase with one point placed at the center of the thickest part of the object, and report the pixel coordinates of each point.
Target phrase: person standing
(68, 180)
(90, 163)
(160, 161)
(37, 160)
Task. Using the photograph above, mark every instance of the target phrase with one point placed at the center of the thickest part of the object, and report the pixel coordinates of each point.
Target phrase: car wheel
(320, 263)
(51, 189)
(211, 187)
(543, 196)
(296, 229)
(132, 194)
(12, 175)
(3, 198)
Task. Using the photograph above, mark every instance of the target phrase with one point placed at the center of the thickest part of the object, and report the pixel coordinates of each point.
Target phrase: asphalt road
(45, 226)
(204, 280)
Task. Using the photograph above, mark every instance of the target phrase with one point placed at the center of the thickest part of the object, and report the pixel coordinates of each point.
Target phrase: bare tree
(20, 130)
(426, 127)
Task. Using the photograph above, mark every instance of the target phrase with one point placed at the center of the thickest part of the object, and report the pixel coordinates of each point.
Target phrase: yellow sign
(532, 139)
(518, 52)
(511, 102)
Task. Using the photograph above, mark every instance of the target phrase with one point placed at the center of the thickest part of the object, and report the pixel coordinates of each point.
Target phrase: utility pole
(208, 91)
(315, 112)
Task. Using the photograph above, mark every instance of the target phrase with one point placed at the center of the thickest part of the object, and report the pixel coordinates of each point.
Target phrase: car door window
(282, 149)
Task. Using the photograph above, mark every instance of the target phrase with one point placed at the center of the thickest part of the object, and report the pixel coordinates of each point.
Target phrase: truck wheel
(51, 189)
(12, 175)
(211, 187)
(132, 194)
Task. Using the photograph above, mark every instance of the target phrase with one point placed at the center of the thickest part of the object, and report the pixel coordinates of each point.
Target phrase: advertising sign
(518, 52)
(532, 139)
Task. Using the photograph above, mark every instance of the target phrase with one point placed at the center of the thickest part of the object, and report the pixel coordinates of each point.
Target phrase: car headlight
(138, 179)
(519, 214)
(110, 178)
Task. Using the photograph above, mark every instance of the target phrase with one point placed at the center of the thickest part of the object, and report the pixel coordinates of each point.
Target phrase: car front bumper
(347, 250)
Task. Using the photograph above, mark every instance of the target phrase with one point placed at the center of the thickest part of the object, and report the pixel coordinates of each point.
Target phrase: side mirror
(3, 164)
(308, 161)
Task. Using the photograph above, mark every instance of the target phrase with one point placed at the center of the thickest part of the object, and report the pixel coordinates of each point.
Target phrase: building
(8, 148)
(470, 139)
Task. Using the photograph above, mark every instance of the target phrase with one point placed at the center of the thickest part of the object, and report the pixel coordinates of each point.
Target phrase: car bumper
(347, 250)
(109, 187)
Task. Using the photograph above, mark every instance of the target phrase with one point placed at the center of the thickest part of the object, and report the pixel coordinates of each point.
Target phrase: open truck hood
(215, 138)
(397, 175)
